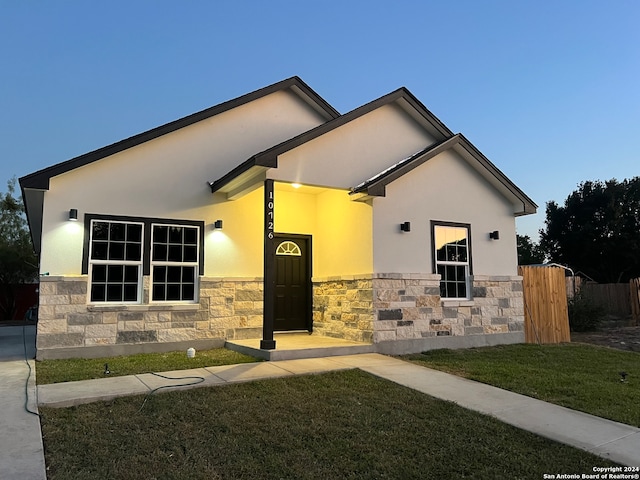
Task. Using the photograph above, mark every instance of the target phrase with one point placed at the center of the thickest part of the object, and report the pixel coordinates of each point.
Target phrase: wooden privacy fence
(617, 299)
(634, 299)
(546, 319)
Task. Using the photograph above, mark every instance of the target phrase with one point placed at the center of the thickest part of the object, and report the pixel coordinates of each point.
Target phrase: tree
(18, 262)
(529, 252)
(597, 230)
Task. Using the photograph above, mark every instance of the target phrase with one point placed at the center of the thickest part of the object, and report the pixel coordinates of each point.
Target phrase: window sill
(457, 303)
(184, 307)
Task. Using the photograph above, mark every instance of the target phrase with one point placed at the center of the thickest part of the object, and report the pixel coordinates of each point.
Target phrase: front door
(293, 283)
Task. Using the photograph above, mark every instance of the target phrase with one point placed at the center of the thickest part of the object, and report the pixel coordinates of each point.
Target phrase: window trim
(147, 223)
(167, 263)
(434, 261)
(123, 262)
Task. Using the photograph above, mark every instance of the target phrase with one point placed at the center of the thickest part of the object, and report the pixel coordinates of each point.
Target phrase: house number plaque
(267, 342)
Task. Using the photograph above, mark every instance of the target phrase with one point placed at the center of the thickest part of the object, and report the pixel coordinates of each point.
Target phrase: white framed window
(120, 251)
(452, 258)
(174, 262)
(115, 261)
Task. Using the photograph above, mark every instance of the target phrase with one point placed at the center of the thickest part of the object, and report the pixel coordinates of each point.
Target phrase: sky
(548, 90)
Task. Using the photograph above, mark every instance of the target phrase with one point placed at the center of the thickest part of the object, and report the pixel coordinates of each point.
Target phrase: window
(115, 261)
(288, 248)
(174, 262)
(119, 251)
(452, 259)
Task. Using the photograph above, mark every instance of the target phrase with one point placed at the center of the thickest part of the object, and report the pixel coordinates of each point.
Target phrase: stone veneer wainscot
(67, 325)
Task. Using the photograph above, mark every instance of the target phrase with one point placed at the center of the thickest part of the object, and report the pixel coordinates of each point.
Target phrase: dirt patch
(622, 338)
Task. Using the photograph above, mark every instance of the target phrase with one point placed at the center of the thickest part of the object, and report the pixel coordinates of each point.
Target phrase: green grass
(56, 371)
(346, 425)
(577, 376)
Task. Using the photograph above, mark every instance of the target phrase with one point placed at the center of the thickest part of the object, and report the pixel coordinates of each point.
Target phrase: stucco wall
(354, 152)
(447, 189)
(166, 177)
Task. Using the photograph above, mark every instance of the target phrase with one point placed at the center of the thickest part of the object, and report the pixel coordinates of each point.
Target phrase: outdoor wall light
(405, 227)
(73, 214)
(217, 225)
(495, 235)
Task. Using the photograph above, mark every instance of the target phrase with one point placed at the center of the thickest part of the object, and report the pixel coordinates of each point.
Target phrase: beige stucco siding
(354, 152)
(447, 189)
(167, 177)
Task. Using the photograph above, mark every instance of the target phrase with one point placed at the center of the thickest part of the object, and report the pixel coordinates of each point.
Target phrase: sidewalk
(611, 440)
(21, 452)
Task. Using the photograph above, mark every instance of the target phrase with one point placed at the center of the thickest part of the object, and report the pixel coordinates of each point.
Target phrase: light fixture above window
(495, 235)
(405, 227)
(296, 185)
(73, 215)
(217, 225)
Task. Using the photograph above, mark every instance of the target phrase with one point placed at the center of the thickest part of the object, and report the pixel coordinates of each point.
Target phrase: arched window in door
(288, 248)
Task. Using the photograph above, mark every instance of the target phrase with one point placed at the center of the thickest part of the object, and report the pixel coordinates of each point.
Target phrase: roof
(257, 164)
(40, 180)
(376, 186)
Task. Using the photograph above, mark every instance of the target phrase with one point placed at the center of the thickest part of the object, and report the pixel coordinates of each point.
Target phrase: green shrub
(584, 314)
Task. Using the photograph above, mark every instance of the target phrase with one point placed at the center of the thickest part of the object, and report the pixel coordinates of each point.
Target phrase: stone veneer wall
(343, 308)
(65, 321)
(408, 306)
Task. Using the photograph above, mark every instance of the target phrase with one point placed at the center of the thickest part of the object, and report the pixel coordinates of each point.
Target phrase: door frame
(309, 239)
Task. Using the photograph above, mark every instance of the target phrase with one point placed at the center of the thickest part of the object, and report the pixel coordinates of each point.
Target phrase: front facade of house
(273, 212)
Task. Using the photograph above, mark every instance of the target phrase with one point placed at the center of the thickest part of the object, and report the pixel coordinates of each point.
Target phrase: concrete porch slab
(291, 346)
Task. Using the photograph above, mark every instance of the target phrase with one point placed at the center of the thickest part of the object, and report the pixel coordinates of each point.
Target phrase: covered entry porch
(315, 256)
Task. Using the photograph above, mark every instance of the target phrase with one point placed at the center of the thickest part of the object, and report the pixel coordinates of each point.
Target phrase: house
(273, 212)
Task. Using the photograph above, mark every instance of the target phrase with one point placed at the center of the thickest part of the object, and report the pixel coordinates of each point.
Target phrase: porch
(296, 345)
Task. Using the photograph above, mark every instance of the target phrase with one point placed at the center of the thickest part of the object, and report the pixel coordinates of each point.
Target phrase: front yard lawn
(73, 369)
(346, 425)
(578, 376)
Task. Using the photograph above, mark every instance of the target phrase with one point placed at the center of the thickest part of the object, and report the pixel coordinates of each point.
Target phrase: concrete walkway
(611, 440)
(21, 452)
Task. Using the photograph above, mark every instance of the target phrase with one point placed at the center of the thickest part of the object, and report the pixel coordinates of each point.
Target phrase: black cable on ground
(26, 385)
(198, 380)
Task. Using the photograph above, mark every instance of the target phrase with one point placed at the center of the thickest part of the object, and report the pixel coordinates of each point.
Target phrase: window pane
(114, 293)
(173, 292)
(174, 274)
(188, 274)
(99, 250)
(175, 234)
(134, 233)
(191, 236)
(190, 253)
(462, 289)
(158, 293)
(117, 232)
(131, 274)
(160, 234)
(99, 273)
(116, 251)
(159, 252)
(175, 253)
(133, 252)
(115, 273)
(188, 292)
(159, 274)
(98, 293)
(100, 231)
(131, 292)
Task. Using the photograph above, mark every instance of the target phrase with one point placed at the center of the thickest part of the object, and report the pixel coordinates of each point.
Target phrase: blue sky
(547, 90)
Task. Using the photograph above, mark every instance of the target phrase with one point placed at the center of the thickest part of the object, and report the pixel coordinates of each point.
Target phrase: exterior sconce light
(73, 215)
(217, 225)
(495, 235)
(405, 227)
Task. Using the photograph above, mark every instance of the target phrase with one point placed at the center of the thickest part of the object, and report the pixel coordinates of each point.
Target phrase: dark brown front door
(293, 283)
